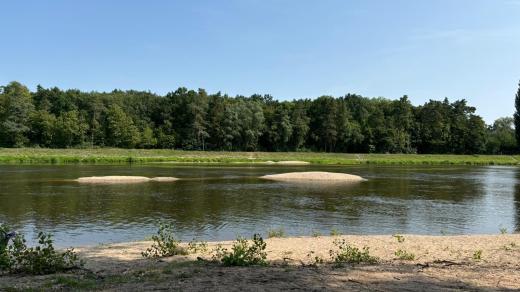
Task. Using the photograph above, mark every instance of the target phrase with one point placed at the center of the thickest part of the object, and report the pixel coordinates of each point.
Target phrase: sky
(287, 48)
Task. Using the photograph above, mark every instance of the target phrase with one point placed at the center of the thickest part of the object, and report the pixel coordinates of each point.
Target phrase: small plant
(277, 232)
(314, 259)
(334, 232)
(404, 255)
(349, 254)
(243, 253)
(42, 259)
(316, 234)
(503, 230)
(165, 244)
(477, 255)
(196, 247)
(399, 238)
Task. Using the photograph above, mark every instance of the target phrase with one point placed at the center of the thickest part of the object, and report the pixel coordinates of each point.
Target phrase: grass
(126, 156)
(404, 255)
(276, 232)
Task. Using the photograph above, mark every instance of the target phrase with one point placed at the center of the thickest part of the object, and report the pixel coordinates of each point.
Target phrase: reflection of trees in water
(517, 201)
(410, 196)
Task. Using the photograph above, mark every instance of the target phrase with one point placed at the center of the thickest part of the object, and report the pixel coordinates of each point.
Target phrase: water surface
(221, 202)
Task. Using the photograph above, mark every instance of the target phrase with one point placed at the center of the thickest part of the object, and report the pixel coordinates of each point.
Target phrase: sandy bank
(287, 162)
(117, 179)
(314, 176)
(441, 263)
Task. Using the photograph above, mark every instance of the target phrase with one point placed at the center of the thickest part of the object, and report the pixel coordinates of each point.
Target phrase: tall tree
(517, 115)
(16, 108)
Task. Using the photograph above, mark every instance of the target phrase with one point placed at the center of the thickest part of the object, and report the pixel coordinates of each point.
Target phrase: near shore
(440, 263)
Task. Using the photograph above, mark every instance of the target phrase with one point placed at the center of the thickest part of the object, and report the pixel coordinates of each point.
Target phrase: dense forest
(189, 119)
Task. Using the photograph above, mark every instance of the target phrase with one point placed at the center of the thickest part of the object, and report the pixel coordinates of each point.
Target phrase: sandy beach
(441, 263)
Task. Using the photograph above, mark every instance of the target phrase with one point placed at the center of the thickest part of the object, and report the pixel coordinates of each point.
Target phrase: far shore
(440, 263)
(136, 156)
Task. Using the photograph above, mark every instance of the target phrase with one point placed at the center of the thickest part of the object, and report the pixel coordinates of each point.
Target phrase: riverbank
(440, 263)
(125, 156)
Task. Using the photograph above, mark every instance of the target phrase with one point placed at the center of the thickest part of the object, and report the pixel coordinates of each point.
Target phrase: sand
(118, 179)
(314, 176)
(442, 263)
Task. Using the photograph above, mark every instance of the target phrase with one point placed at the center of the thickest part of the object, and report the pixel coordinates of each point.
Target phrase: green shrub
(243, 253)
(350, 254)
(503, 230)
(334, 232)
(477, 255)
(195, 246)
(404, 255)
(165, 244)
(42, 259)
(399, 238)
(277, 232)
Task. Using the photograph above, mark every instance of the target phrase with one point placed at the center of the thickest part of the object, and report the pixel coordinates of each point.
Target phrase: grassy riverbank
(121, 156)
(407, 262)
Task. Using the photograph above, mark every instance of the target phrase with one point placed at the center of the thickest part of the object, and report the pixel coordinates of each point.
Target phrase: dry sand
(119, 179)
(286, 162)
(314, 176)
(442, 263)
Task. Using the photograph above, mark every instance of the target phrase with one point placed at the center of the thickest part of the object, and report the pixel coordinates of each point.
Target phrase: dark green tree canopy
(196, 120)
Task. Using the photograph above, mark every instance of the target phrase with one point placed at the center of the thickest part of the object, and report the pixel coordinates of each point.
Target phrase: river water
(221, 202)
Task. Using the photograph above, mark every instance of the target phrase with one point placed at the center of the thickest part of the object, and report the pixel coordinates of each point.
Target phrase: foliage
(42, 259)
(335, 232)
(244, 253)
(516, 115)
(477, 255)
(195, 120)
(399, 238)
(404, 255)
(346, 253)
(314, 259)
(277, 232)
(164, 243)
(503, 230)
(197, 246)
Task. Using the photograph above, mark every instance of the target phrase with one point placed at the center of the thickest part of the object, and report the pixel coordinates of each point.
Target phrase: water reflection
(221, 202)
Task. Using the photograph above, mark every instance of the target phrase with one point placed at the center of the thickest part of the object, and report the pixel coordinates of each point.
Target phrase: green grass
(125, 156)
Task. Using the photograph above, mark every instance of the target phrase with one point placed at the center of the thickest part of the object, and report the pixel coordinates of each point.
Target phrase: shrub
(39, 260)
(350, 254)
(243, 253)
(399, 238)
(195, 247)
(477, 255)
(503, 230)
(404, 255)
(165, 244)
(278, 232)
(334, 232)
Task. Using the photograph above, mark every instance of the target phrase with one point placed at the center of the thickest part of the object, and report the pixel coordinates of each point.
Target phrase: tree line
(195, 120)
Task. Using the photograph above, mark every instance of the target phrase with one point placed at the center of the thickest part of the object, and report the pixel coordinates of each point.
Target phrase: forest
(196, 120)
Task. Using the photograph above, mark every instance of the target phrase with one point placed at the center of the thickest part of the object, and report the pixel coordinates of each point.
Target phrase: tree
(517, 115)
(121, 131)
(300, 126)
(501, 137)
(16, 108)
(323, 123)
(42, 128)
(69, 130)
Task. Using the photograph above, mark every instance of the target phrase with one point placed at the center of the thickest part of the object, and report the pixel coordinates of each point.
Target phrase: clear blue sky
(291, 49)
